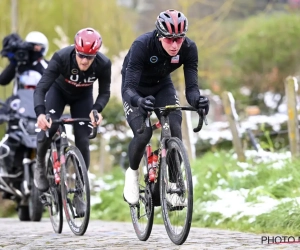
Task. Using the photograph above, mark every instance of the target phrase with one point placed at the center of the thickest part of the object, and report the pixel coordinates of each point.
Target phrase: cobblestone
(118, 235)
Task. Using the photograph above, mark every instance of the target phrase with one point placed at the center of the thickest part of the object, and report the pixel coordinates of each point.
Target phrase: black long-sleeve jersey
(12, 70)
(64, 73)
(147, 65)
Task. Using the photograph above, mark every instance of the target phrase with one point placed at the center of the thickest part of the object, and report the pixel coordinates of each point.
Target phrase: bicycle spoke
(177, 192)
(142, 214)
(76, 192)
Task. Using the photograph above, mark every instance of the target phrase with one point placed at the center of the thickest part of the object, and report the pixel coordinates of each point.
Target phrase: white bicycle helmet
(39, 38)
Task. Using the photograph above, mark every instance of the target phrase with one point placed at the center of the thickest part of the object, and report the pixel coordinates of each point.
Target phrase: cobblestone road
(113, 235)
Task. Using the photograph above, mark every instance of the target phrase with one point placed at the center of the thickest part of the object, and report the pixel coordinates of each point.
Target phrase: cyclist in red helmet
(146, 81)
(69, 80)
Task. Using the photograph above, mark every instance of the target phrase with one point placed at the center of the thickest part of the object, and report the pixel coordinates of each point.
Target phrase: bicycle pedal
(44, 201)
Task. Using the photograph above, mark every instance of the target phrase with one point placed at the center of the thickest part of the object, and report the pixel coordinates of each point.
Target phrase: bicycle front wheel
(75, 191)
(142, 213)
(176, 191)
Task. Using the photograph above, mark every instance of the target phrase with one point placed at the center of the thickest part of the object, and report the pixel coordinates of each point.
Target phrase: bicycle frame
(165, 128)
(58, 164)
(165, 135)
(64, 142)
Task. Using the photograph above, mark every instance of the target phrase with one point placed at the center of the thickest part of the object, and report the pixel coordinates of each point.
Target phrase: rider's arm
(49, 76)
(104, 79)
(134, 70)
(191, 75)
(8, 74)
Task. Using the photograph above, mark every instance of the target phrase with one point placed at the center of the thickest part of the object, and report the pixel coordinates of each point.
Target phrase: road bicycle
(68, 179)
(171, 187)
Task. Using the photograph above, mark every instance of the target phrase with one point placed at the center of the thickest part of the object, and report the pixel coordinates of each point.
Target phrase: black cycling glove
(146, 104)
(203, 103)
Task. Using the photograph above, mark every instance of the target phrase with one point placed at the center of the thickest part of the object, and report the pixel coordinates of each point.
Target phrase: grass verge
(260, 195)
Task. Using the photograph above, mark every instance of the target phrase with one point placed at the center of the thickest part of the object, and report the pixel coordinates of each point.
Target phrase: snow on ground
(262, 204)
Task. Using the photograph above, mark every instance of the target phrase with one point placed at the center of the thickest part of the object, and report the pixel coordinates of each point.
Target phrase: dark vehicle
(16, 183)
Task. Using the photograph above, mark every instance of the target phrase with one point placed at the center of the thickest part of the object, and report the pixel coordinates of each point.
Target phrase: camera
(21, 56)
(15, 48)
(21, 51)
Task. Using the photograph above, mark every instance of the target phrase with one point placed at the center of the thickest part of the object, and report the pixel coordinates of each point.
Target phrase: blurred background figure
(25, 69)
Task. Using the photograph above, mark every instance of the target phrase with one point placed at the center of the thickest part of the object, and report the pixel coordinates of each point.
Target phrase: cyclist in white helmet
(25, 69)
(23, 56)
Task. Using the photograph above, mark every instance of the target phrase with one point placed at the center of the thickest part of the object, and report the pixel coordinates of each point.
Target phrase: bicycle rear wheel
(176, 192)
(142, 214)
(75, 189)
(54, 201)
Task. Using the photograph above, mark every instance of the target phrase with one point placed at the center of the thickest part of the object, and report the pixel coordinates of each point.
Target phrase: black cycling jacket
(148, 65)
(64, 73)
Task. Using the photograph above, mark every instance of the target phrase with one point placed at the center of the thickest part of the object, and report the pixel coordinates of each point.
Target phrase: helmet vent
(172, 27)
(81, 41)
(93, 44)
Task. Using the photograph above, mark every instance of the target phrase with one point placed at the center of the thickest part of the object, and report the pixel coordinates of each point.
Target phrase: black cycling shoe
(79, 205)
(40, 179)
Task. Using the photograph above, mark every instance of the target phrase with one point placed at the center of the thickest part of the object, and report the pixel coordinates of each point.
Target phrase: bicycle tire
(71, 186)
(35, 207)
(176, 165)
(143, 213)
(55, 209)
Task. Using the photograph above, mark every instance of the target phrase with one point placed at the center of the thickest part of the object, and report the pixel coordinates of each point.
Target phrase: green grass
(252, 184)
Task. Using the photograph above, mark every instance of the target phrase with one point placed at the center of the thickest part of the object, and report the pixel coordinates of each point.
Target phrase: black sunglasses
(82, 56)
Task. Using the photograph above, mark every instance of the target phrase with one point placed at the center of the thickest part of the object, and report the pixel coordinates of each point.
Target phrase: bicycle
(171, 188)
(68, 179)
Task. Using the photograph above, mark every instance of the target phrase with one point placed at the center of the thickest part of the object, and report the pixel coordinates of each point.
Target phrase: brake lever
(202, 118)
(48, 118)
(94, 129)
(95, 114)
(144, 124)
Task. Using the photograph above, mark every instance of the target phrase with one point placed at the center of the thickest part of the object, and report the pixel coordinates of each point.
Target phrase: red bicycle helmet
(171, 23)
(87, 41)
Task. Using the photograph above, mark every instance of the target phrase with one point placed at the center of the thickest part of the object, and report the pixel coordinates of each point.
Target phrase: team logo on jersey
(153, 59)
(175, 59)
(74, 71)
(127, 109)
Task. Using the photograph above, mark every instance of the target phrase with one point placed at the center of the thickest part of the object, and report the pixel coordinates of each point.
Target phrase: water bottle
(56, 171)
(152, 170)
(150, 161)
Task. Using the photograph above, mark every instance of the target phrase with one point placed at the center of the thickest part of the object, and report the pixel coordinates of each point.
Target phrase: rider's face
(84, 62)
(171, 45)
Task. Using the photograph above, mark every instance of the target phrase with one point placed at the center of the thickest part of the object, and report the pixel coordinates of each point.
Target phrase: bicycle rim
(142, 214)
(55, 208)
(176, 192)
(75, 182)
